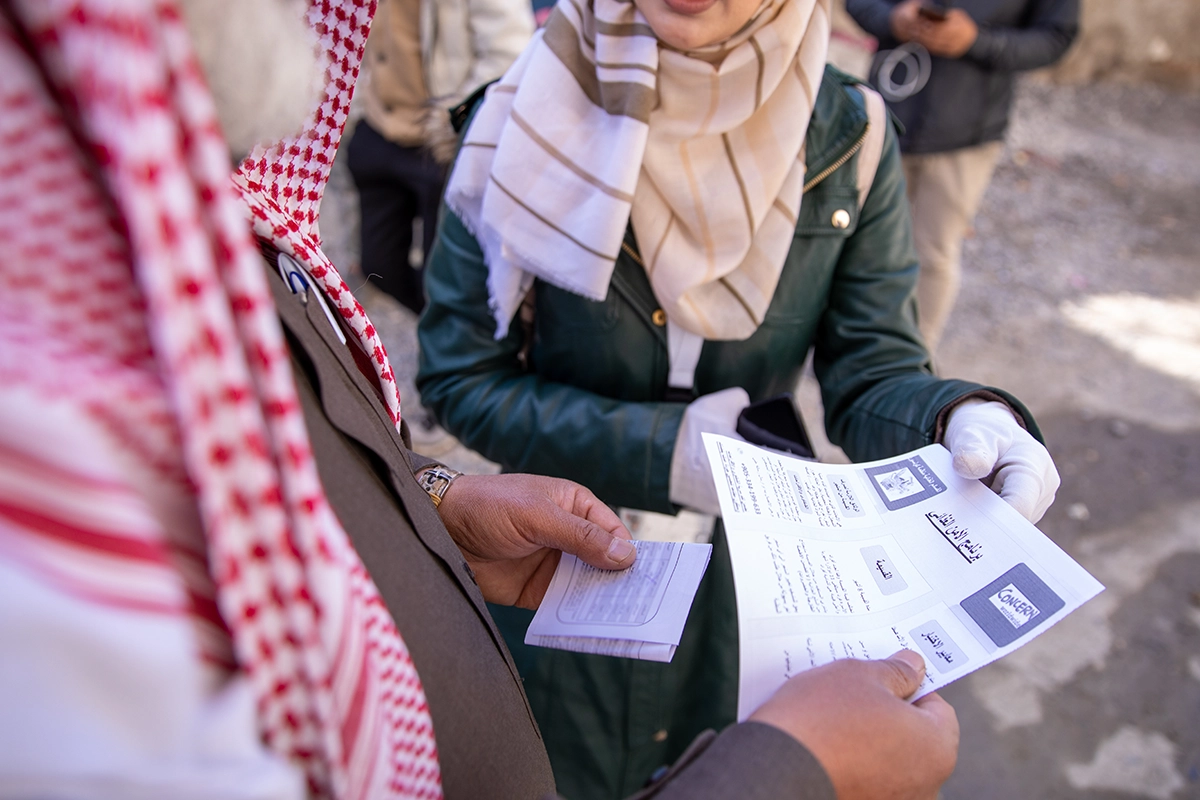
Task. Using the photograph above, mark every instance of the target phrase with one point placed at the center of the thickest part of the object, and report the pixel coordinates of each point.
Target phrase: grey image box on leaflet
(904, 483)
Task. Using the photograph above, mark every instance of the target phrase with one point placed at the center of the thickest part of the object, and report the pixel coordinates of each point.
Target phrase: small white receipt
(636, 613)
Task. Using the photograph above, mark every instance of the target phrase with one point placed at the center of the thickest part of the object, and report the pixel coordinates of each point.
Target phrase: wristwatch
(435, 480)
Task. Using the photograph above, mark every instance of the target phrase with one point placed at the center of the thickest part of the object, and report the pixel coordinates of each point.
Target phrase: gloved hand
(986, 440)
(691, 479)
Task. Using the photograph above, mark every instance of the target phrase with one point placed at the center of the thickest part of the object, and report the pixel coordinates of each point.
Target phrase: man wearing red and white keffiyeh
(183, 615)
(157, 491)
(181, 611)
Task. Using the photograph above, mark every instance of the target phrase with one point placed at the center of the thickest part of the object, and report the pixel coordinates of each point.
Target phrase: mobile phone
(775, 423)
(933, 11)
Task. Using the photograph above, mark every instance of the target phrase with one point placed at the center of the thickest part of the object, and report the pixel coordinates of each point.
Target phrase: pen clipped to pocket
(776, 423)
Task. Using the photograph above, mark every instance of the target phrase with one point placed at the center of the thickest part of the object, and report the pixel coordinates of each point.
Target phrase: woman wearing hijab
(653, 216)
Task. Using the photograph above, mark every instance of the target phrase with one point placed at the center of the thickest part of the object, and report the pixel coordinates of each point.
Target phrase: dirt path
(1082, 297)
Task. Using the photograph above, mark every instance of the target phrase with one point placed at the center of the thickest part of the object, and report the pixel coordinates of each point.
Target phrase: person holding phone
(955, 116)
(652, 218)
(936, 12)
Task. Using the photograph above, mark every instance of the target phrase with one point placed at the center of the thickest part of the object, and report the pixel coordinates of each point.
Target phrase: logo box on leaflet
(902, 483)
(1012, 605)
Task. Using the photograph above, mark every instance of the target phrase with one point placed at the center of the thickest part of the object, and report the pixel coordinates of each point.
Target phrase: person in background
(423, 57)
(952, 95)
(222, 572)
(653, 217)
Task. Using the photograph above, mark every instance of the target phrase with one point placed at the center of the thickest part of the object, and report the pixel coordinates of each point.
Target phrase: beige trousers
(944, 192)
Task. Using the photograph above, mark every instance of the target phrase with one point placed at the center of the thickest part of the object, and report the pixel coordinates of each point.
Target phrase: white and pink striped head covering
(133, 298)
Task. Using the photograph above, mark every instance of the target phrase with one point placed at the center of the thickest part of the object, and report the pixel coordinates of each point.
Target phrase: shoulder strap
(872, 148)
(461, 113)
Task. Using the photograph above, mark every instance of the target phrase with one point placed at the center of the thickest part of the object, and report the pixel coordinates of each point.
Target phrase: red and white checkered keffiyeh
(132, 292)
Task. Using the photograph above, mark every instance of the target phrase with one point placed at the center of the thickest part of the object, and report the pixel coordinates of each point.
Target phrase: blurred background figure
(423, 57)
(948, 71)
(851, 49)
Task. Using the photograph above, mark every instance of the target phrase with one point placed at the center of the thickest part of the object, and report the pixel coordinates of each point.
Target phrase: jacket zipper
(832, 168)
(629, 251)
(822, 175)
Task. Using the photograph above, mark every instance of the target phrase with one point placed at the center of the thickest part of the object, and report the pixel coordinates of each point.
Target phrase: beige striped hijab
(597, 124)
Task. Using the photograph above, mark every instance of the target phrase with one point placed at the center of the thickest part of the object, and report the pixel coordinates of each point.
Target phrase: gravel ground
(1082, 296)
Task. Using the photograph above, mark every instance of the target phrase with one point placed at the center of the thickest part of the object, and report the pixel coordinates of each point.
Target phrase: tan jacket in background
(462, 45)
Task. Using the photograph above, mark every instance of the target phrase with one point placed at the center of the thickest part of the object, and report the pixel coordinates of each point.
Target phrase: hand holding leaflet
(860, 560)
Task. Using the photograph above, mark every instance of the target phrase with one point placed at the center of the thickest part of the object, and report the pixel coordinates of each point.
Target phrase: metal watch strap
(435, 481)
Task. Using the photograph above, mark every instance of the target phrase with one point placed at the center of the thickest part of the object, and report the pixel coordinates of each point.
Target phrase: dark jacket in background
(967, 99)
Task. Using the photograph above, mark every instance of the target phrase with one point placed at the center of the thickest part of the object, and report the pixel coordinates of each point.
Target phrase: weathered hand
(512, 528)
(949, 38)
(873, 743)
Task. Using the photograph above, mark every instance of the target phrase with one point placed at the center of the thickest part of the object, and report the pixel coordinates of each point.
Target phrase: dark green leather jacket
(587, 403)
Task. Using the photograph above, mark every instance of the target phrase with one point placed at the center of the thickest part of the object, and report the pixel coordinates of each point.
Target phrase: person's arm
(1052, 27)
(880, 394)
(499, 31)
(843, 730)
(749, 761)
(476, 386)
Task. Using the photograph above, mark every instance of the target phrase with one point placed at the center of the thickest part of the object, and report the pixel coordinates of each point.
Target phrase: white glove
(985, 438)
(691, 479)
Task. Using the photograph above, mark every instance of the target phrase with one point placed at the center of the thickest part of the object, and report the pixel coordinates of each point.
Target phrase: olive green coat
(587, 404)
